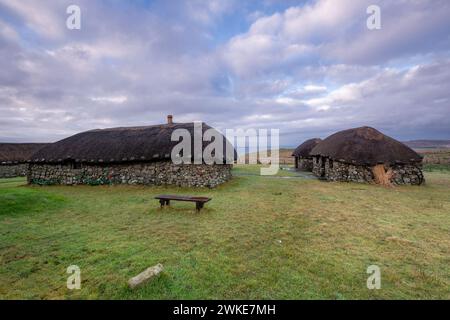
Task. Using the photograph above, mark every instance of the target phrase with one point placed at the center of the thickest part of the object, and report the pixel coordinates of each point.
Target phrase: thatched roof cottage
(303, 159)
(366, 155)
(126, 155)
(14, 158)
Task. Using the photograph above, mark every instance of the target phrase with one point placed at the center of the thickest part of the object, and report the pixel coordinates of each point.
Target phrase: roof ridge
(140, 127)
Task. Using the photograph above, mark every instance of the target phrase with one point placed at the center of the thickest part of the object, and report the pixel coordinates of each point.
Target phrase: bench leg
(198, 206)
(162, 202)
(167, 202)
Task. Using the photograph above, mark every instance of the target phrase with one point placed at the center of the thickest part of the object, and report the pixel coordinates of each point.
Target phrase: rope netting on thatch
(365, 146)
(126, 144)
(382, 176)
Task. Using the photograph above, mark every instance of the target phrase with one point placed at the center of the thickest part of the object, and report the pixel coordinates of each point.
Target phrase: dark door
(322, 167)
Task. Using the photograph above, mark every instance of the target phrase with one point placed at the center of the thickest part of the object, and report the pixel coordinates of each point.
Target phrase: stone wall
(305, 164)
(13, 170)
(318, 169)
(152, 173)
(339, 171)
(407, 174)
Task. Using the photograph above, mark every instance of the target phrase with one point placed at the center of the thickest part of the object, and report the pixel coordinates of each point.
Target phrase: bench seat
(165, 199)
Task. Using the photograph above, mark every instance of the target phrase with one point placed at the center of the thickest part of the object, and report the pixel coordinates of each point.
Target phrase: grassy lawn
(259, 238)
(443, 168)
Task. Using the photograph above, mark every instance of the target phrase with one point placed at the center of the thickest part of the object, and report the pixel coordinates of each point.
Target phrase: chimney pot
(169, 119)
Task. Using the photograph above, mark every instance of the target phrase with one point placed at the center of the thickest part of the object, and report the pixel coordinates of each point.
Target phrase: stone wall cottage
(359, 154)
(128, 155)
(14, 158)
(303, 159)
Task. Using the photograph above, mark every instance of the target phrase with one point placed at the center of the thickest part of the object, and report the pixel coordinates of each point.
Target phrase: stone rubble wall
(305, 164)
(13, 170)
(339, 171)
(152, 173)
(318, 169)
(407, 174)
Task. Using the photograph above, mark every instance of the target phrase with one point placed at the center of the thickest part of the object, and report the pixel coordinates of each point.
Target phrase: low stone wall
(339, 171)
(152, 173)
(407, 174)
(13, 170)
(305, 164)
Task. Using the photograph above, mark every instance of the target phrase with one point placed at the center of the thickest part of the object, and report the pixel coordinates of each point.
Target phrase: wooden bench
(164, 200)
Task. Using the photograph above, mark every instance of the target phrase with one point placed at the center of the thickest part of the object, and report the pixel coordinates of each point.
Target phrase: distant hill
(428, 144)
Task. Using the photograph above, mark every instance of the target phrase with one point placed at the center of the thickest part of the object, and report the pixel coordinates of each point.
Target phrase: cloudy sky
(308, 68)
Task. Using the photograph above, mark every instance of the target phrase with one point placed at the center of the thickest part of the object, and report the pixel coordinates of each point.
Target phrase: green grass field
(259, 238)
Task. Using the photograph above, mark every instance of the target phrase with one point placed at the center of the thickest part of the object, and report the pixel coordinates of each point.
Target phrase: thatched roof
(305, 148)
(113, 145)
(18, 152)
(365, 146)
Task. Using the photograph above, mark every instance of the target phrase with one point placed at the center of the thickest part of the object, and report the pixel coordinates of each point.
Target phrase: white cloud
(8, 33)
(310, 69)
(111, 99)
(314, 88)
(345, 94)
(329, 30)
(48, 21)
(283, 37)
(206, 12)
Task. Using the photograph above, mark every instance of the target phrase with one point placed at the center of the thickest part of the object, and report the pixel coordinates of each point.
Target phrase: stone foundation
(152, 173)
(338, 171)
(13, 170)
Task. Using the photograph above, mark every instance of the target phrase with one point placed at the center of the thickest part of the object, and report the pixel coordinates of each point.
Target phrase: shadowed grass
(259, 238)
